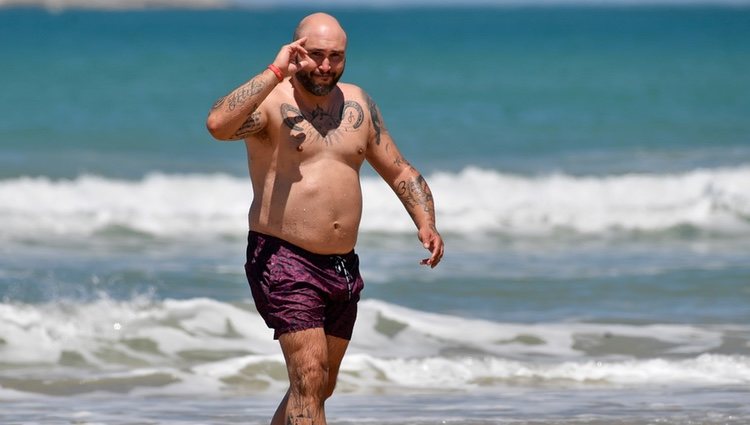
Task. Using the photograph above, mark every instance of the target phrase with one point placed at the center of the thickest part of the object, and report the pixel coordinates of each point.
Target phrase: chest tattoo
(320, 125)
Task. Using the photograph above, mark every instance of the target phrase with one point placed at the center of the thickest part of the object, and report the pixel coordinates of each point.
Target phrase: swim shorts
(295, 289)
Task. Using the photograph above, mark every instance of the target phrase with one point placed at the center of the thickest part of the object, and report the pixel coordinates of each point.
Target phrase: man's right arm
(236, 115)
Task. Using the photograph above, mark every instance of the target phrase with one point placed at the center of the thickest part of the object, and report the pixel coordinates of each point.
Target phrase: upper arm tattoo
(252, 125)
(401, 161)
(377, 123)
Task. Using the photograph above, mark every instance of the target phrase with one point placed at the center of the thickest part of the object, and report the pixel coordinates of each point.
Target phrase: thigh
(305, 352)
(312, 350)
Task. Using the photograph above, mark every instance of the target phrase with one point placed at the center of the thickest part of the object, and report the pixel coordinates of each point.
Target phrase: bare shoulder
(353, 92)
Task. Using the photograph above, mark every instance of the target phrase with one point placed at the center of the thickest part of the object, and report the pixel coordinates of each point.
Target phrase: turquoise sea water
(591, 169)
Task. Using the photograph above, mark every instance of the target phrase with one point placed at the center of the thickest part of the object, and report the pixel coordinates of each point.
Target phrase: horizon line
(122, 5)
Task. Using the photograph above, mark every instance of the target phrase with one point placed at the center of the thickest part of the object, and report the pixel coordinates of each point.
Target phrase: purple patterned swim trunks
(295, 289)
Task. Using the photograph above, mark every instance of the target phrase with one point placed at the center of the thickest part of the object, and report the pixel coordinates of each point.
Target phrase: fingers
(296, 52)
(292, 57)
(437, 255)
(303, 59)
(297, 47)
(436, 248)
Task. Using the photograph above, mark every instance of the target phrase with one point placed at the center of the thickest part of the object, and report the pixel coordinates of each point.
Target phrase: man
(307, 136)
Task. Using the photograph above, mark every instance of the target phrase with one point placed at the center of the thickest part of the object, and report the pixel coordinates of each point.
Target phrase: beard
(306, 79)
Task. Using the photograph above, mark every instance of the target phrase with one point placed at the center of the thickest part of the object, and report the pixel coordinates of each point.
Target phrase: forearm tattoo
(415, 194)
(239, 96)
(218, 103)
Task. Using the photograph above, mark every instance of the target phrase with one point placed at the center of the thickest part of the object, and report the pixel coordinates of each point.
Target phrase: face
(330, 60)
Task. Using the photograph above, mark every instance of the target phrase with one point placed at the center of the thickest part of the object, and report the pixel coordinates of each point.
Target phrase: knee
(310, 380)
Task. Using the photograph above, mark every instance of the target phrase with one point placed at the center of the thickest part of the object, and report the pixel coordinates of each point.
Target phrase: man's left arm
(408, 184)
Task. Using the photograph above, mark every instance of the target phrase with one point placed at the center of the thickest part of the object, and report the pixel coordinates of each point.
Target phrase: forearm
(414, 192)
(230, 112)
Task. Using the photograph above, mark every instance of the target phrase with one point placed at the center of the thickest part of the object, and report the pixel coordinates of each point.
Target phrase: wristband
(275, 69)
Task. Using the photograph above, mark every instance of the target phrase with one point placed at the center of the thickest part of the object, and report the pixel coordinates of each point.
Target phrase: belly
(318, 209)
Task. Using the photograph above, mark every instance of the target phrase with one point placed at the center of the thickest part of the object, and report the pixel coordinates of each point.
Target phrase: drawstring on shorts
(339, 265)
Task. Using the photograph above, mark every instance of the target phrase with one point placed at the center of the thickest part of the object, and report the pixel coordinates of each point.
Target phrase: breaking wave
(470, 201)
(201, 345)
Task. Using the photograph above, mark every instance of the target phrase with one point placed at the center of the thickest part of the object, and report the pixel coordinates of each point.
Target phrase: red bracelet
(275, 69)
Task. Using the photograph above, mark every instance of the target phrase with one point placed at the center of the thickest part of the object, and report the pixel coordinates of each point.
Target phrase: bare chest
(339, 130)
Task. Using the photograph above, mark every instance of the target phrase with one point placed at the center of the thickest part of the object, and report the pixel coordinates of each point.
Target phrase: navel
(336, 225)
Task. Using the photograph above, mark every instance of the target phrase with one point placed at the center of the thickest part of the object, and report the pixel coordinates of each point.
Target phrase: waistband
(299, 250)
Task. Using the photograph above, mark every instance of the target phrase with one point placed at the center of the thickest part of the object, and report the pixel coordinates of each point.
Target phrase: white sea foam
(471, 201)
(184, 346)
(469, 372)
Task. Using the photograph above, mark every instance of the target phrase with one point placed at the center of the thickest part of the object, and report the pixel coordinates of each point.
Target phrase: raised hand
(293, 58)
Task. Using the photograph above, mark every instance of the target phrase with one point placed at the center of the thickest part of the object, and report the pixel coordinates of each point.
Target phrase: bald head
(320, 25)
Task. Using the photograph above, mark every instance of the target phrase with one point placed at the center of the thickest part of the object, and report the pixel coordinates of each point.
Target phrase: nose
(325, 66)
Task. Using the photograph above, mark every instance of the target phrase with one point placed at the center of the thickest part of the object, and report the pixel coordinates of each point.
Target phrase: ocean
(591, 172)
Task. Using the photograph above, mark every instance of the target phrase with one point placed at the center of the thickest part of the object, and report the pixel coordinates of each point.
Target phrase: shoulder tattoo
(375, 116)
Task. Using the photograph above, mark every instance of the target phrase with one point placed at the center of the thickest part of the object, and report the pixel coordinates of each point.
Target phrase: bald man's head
(320, 25)
(325, 43)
